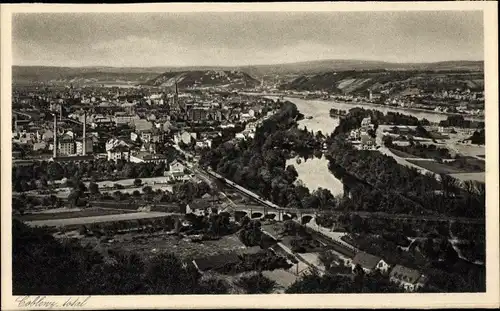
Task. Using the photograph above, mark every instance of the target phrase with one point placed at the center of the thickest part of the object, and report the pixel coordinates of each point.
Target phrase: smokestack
(84, 133)
(55, 135)
(60, 112)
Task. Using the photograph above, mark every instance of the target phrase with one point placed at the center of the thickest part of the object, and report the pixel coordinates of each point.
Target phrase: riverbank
(431, 115)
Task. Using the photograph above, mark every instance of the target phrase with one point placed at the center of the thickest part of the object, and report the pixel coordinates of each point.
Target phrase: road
(402, 161)
(205, 177)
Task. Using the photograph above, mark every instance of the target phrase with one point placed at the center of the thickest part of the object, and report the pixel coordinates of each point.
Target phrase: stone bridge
(278, 215)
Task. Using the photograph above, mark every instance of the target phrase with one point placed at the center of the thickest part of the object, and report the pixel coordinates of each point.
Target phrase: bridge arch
(305, 219)
(256, 215)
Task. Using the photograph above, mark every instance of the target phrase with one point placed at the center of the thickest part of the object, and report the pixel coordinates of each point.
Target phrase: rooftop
(405, 274)
(216, 261)
(366, 260)
(144, 155)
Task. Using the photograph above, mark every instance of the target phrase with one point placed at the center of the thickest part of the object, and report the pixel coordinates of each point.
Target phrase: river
(314, 174)
(324, 106)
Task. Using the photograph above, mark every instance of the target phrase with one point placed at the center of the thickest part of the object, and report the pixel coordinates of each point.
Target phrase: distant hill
(204, 78)
(81, 75)
(401, 81)
(27, 74)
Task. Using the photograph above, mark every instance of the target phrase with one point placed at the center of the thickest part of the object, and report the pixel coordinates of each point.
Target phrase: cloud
(168, 39)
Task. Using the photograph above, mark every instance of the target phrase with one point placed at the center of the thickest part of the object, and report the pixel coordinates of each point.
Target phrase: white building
(114, 142)
(366, 122)
(88, 146)
(369, 263)
(410, 279)
(119, 152)
(206, 143)
(185, 137)
(147, 157)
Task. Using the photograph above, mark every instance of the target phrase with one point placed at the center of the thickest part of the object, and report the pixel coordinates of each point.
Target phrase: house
(366, 140)
(88, 146)
(143, 125)
(102, 121)
(145, 135)
(197, 207)
(410, 279)
(124, 118)
(240, 136)
(354, 134)
(216, 261)
(446, 130)
(147, 157)
(245, 117)
(134, 136)
(149, 147)
(369, 263)
(206, 143)
(114, 142)
(176, 167)
(185, 137)
(176, 172)
(251, 127)
(167, 126)
(66, 145)
(39, 146)
(47, 135)
(119, 152)
(366, 122)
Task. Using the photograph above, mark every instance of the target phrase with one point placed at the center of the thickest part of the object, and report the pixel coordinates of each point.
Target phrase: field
(470, 176)
(440, 168)
(130, 182)
(91, 212)
(402, 154)
(94, 219)
(153, 245)
(125, 205)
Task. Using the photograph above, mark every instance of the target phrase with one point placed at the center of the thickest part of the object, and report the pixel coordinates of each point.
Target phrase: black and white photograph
(241, 152)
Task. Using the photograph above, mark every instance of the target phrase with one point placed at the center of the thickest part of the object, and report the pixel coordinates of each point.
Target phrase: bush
(256, 284)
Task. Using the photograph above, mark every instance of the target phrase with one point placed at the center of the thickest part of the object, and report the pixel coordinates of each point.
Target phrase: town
(323, 176)
(145, 169)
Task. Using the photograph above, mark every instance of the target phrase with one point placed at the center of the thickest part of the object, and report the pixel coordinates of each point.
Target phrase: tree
(327, 258)
(256, 284)
(93, 188)
(449, 185)
(212, 286)
(137, 182)
(74, 197)
(55, 171)
(251, 234)
(167, 275)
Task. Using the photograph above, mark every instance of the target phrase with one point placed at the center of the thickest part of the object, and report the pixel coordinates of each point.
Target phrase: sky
(244, 38)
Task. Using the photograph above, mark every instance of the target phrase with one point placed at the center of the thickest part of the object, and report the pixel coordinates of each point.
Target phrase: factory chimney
(84, 142)
(55, 135)
(60, 112)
